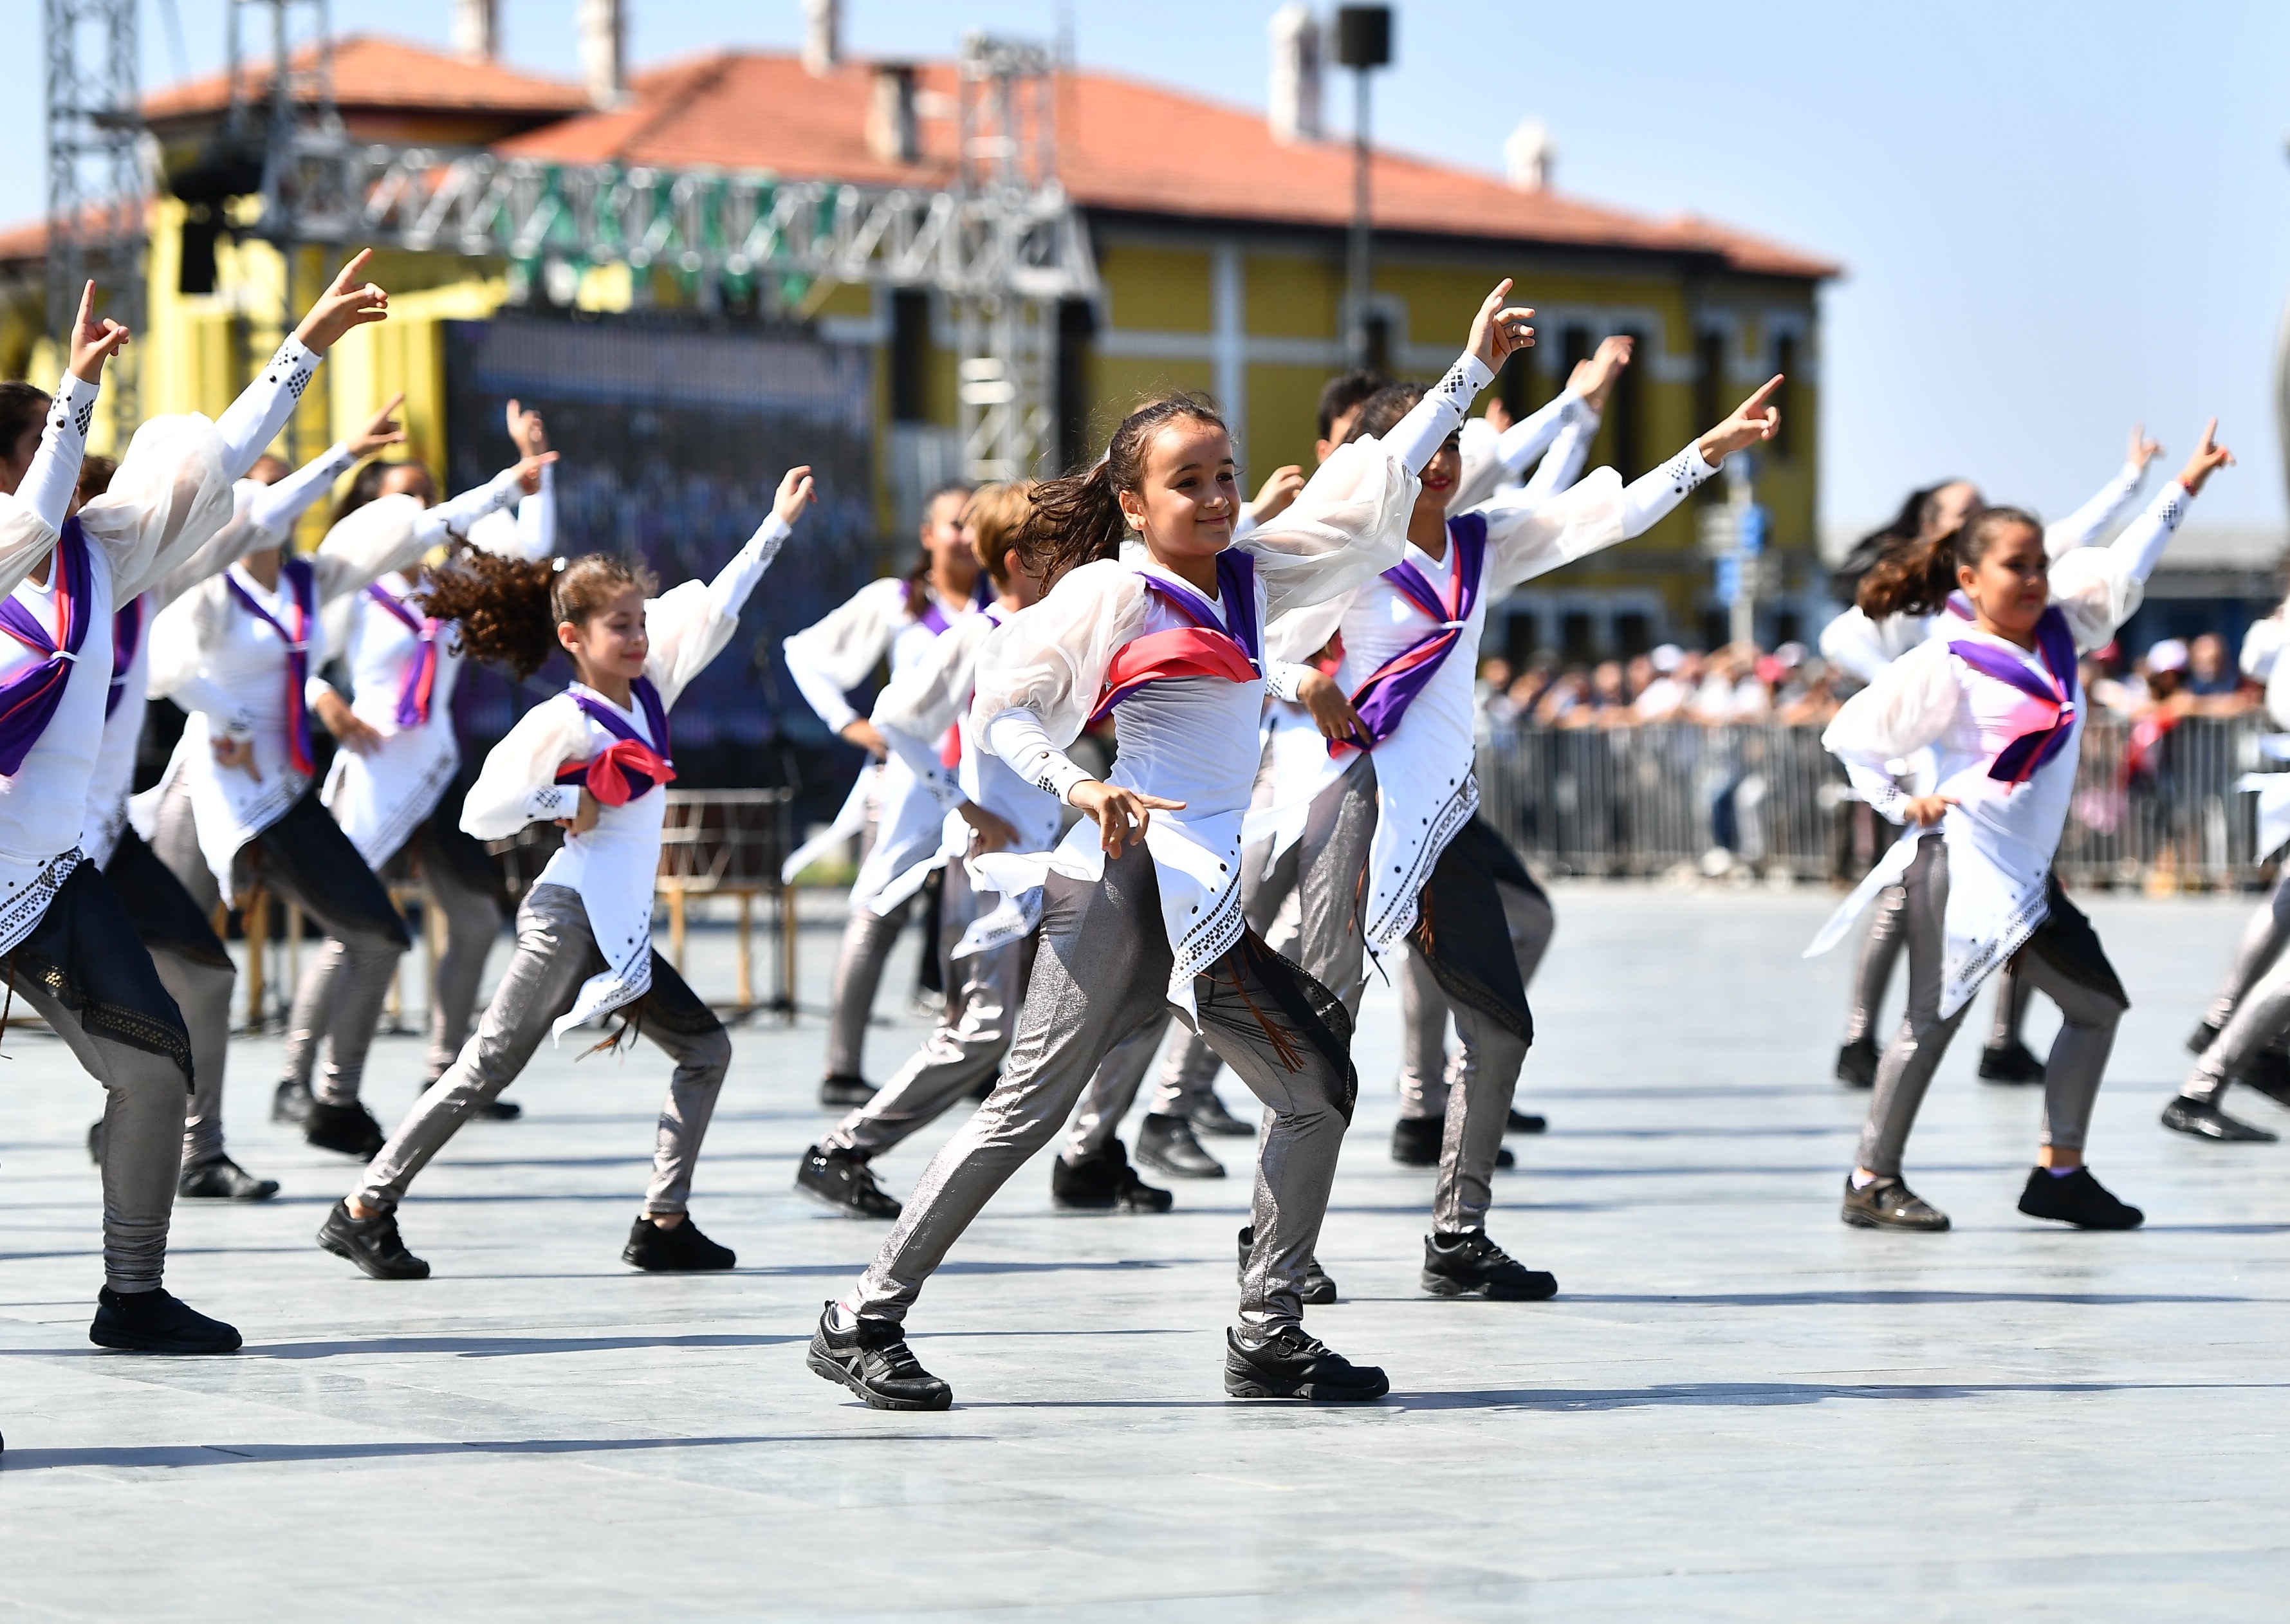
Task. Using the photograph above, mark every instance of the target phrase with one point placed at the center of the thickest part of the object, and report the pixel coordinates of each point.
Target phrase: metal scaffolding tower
(96, 186)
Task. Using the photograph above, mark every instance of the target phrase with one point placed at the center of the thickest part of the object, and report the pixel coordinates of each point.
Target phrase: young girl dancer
(192, 963)
(1864, 647)
(1393, 846)
(1143, 911)
(1997, 700)
(66, 946)
(241, 653)
(986, 936)
(392, 786)
(595, 759)
(898, 819)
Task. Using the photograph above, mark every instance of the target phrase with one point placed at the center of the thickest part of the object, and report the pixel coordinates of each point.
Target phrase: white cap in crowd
(2168, 655)
(1667, 657)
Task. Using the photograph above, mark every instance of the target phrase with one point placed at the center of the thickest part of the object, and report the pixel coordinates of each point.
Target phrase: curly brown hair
(506, 611)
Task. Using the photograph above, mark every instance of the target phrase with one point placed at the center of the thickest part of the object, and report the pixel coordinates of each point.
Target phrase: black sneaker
(678, 1250)
(1888, 1203)
(1856, 1063)
(350, 1129)
(1288, 1363)
(2077, 1198)
(372, 1244)
(1104, 1183)
(292, 1102)
(873, 1360)
(1470, 1264)
(1415, 1140)
(2202, 1037)
(841, 1093)
(2268, 1072)
(1318, 1288)
(1525, 1122)
(842, 1180)
(155, 1322)
(95, 1141)
(2204, 1120)
(2015, 1062)
(497, 1109)
(223, 1179)
(1166, 1145)
(1209, 1116)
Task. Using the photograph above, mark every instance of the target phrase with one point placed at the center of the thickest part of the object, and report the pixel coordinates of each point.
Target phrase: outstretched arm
(252, 421)
(2089, 522)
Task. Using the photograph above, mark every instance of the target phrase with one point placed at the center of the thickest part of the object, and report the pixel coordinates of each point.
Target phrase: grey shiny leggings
(967, 1045)
(1101, 971)
(2259, 951)
(1426, 1074)
(2078, 1058)
(1880, 950)
(203, 992)
(867, 943)
(555, 952)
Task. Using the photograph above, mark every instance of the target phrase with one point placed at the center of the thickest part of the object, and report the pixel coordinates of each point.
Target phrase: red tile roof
(1122, 145)
(28, 242)
(369, 71)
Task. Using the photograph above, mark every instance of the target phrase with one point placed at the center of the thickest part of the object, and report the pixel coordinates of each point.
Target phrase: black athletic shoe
(873, 1360)
(155, 1322)
(2015, 1062)
(372, 1244)
(1470, 1264)
(842, 1180)
(350, 1129)
(1856, 1063)
(984, 1091)
(1888, 1203)
(2202, 1037)
(1318, 1289)
(223, 1179)
(2078, 1199)
(95, 1141)
(292, 1102)
(678, 1250)
(1209, 1116)
(1104, 1183)
(2268, 1072)
(1415, 1140)
(2204, 1120)
(497, 1109)
(1525, 1122)
(1288, 1363)
(1166, 1145)
(841, 1093)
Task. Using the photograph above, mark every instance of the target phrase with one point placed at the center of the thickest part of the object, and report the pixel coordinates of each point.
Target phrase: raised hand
(796, 494)
(1274, 495)
(1500, 331)
(1754, 420)
(528, 472)
(2208, 459)
(2142, 450)
(348, 303)
(1594, 379)
(1120, 814)
(526, 431)
(93, 342)
(382, 428)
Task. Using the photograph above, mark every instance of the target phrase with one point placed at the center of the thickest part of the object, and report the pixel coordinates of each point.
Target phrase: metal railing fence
(1767, 799)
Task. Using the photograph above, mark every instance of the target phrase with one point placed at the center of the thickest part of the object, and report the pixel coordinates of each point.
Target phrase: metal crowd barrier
(1766, 800)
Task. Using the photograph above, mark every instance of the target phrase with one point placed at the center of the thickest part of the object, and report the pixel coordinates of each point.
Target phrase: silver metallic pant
(203, 992)
(1426, 1074)
(555, 952)
(1880, 950)
(1101, 971)
(2252, 1011)
(2078, 1058)
(969, 1043)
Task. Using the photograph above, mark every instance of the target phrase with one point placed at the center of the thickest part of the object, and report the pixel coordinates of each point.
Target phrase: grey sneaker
(1888, 1203)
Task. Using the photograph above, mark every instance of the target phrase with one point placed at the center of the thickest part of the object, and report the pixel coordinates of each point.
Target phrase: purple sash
(421, 679)
(933, 619)
(633, 771)
(2019, 761)
(303, 598)
(28, 702)
(1383, 699)
(126, 637)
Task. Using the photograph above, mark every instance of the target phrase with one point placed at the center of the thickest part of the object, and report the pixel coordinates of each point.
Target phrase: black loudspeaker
(1364, 36)
(197, 272)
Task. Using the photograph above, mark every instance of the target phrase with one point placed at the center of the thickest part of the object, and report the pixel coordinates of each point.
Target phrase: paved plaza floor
(1736, 1408)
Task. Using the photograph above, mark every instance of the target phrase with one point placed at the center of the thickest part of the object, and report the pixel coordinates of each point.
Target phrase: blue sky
(2057, 217)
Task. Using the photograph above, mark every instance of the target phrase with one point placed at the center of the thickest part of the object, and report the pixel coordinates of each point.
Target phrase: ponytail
(1079, 519)
(1916, 577)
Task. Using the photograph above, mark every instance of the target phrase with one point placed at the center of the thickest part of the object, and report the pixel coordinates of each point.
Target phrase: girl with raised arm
(595, 759)
(1141, 906)
(238, 804)
(1996, 699)
(66, 945)
(395, 787)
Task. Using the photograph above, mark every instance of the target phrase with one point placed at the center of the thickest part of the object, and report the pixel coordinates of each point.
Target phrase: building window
(1633, 634)
(1578, 637)
(1785, 438)
(910, 340)
(1375, 326)
(1626, 407)
(1709, 403)
(1077, 325)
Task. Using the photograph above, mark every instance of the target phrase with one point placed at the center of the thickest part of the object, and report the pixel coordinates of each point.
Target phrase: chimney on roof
(476, 29)
(892, 132)
(823, 35)
(1529, 155)
(603, 49)
(1295, 101)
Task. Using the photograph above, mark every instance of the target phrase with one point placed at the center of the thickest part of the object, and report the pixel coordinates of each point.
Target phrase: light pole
(1362, 45)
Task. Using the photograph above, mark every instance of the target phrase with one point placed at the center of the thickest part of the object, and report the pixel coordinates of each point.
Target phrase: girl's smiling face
(1189, 498)
(612, 642)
